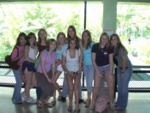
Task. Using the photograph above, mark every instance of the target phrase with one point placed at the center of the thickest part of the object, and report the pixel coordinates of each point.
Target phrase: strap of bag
(17, 51)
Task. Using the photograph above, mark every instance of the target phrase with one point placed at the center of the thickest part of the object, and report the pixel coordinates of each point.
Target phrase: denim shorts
(59, 68)
(29, 66)
(104, 69)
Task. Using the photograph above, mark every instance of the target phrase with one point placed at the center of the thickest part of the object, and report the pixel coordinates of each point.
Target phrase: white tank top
(32, 52)
(72, 64)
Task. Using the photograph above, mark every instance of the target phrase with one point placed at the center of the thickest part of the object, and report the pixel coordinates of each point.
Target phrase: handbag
(101, 103)
(13, 64)
(37, 62)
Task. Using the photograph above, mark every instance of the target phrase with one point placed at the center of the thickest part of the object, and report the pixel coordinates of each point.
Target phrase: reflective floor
(138, 103)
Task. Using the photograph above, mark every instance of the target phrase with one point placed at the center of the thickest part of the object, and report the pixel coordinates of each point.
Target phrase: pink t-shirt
(49, 60)
(14, 52)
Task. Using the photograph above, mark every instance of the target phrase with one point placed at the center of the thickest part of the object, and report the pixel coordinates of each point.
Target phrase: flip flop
(53, 102)
(76, 111)
(59, 98)
(70, 109)
(49, 105)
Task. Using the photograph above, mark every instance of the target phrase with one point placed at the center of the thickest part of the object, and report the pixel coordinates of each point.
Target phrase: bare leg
(34, 82)
(97, 81)
(88, 99)
(28, 76)
(55, 82)
(110, 82)
(70, 86)
(76, 89)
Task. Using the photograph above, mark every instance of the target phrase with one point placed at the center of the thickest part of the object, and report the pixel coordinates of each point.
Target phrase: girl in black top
(42, 45)
(42, 37)
(102, 58)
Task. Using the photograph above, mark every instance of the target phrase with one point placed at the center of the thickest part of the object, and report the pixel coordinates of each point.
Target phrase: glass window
(25, 17)
(133, 27)
(94, 19)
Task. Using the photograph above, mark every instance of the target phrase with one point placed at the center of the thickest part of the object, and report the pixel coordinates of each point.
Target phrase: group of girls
(70, 55)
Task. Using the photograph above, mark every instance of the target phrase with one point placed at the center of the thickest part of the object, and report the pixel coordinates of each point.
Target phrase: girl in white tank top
(71, 63)
(32, 52)
(28, 69)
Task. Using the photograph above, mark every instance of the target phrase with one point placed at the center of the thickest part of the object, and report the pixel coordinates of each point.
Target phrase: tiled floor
(138, 103)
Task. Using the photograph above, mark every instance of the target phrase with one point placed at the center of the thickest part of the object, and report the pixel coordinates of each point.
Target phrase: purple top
(49, 60)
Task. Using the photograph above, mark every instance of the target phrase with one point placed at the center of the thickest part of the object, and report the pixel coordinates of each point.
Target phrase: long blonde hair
(100, 41)
(61, 33)
(89, 40)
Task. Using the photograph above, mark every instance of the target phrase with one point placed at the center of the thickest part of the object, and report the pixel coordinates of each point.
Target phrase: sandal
(76, 111)
(59, 98)
(40, 104)
(87, 104)
(91, 107)
(49, 105)
(70, 109)
(118, 108)
(112, 107)
(54, 102)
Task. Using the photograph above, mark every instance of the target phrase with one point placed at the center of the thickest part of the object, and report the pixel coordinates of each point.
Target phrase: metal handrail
(134, 66)
(146, 70)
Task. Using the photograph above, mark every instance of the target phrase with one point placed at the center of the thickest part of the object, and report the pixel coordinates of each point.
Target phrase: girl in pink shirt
(17, 54)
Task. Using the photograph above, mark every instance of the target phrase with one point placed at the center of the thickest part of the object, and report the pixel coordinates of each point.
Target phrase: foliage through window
(133, 26)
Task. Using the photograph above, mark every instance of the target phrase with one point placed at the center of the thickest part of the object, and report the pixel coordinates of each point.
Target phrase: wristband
(122, 71)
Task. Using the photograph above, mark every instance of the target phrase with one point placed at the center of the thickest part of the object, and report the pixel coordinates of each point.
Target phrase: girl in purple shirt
(45, 73)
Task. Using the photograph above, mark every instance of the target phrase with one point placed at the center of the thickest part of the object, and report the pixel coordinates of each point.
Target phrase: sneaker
(30, 100)
(63, 99)
(81, 101)
(23, 96)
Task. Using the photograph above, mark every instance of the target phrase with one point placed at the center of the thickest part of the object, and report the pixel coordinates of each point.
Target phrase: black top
(41, 48)
(115, 61)
(102, 56)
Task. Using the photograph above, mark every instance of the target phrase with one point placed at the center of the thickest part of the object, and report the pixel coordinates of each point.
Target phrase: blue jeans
(89, 74)
(65, 88)
(16, 98)
(38, 92)
(123, 83)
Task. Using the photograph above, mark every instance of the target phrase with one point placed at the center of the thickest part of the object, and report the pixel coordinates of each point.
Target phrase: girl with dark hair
(17, 54)
(88, 68)
(72, 65)
(42, 45)
(71, 33)
(102, 58)
(28, 69)
(45, 73)
(124, 71)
